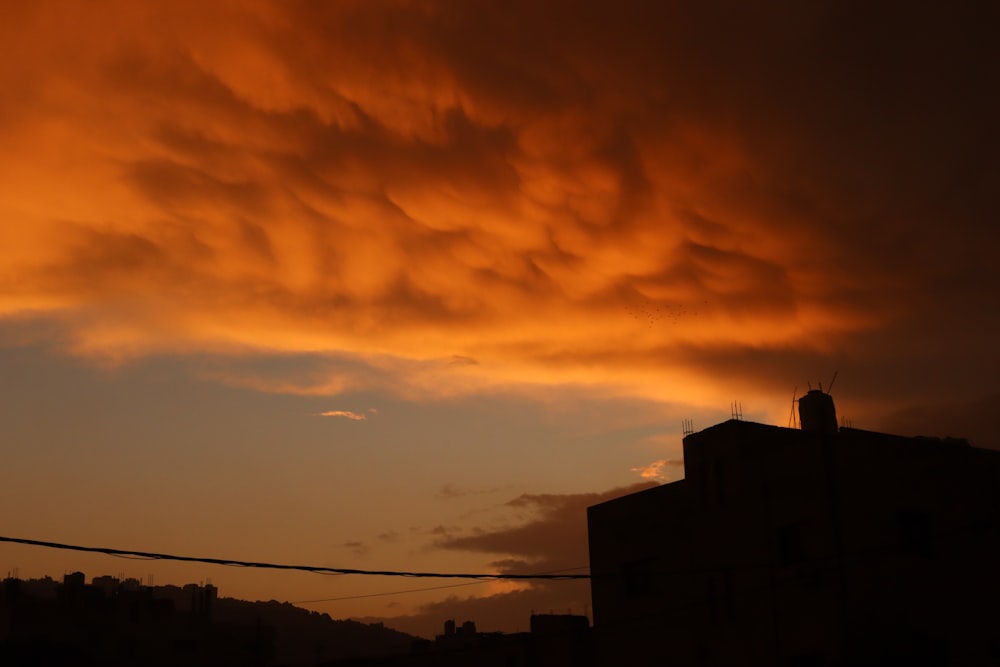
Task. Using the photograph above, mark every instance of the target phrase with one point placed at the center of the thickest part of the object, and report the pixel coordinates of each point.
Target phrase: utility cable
(379, 595)
(414, 590)
(279, 566)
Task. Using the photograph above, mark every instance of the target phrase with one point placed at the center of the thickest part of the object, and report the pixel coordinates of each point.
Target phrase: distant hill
(304, 637)
(122, 622)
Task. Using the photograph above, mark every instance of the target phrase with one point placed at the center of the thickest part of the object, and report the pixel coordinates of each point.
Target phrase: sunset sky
(408, 284)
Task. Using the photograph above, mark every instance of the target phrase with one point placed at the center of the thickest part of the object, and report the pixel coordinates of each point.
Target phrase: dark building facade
(803, 547)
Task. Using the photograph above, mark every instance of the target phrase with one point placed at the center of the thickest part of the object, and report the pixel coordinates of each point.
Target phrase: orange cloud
(657, 469)
(347, 414)
(410, 182)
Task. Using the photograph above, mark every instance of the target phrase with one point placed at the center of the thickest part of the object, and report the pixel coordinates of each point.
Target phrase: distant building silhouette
(121, 622)
(555, 640)
(802, 547)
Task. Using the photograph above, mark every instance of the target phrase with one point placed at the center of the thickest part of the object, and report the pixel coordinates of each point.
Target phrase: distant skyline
(406, 285)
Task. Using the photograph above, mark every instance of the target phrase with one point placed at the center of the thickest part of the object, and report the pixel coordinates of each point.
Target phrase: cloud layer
(629, 195)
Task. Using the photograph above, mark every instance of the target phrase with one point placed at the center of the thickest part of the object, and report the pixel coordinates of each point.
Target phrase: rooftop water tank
(817, 413)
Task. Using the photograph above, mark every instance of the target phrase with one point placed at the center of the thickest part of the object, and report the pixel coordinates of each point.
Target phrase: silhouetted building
(819, 546)
(555, 640)
(112, 622)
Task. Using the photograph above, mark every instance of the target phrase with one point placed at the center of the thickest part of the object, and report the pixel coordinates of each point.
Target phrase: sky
(408, 285)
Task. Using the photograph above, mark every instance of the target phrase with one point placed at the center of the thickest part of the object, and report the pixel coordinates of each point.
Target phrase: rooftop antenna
(791, 414)
(687, 427)
(829, 387)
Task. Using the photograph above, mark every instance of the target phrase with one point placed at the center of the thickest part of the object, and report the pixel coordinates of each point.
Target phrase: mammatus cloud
(469, 201)
(550, 536)
(657, 469)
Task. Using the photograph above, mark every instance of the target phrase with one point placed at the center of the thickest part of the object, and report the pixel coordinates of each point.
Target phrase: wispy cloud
(657, 469)
(346, 414)
(355, 547)
(451, 491)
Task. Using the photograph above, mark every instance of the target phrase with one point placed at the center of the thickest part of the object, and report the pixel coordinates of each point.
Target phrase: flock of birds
(650, 312)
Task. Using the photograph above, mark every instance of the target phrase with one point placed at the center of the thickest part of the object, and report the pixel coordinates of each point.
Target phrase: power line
(415, 590)
(279, 566)
(378, 595)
